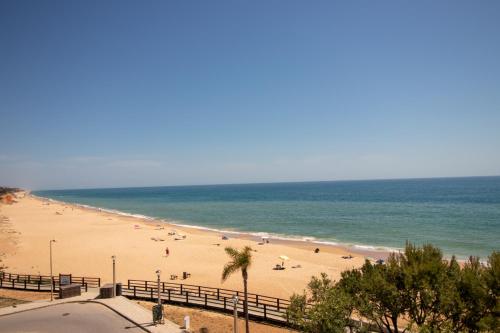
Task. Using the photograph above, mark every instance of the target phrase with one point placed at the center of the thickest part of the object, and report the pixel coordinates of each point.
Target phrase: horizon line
(263, 183)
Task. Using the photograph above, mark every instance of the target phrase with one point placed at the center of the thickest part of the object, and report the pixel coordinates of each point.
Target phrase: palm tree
(240, 260)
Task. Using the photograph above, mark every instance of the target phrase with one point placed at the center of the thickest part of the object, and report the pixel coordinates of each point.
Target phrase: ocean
(460, 215)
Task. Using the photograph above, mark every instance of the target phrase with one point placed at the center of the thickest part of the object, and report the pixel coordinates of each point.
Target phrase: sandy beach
(86, 239)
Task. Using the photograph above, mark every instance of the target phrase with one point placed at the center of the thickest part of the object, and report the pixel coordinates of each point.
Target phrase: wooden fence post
(187, 297)
(265, 311)
(224, 302)
(205, 300)
(135, 295)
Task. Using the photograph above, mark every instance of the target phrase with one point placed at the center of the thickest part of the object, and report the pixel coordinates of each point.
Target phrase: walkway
(119, 312)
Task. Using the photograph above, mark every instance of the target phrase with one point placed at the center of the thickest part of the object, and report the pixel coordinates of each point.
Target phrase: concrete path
(127, 310)
(139, 314)
(67, 317)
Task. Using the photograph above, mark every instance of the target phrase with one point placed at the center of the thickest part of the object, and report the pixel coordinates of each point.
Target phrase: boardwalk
(261, 308)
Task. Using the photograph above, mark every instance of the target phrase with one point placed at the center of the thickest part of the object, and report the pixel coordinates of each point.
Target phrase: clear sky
(142, 93)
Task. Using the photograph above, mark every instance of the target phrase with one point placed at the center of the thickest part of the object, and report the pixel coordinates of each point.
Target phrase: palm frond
(231, 251)
(241, 260)
(229, 269)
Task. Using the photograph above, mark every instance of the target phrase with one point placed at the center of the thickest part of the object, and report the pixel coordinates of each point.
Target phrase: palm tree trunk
(245, 304)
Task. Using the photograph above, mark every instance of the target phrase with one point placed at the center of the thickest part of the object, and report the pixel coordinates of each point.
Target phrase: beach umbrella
(283, 259)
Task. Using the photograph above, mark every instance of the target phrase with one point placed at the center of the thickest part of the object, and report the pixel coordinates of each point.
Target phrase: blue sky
(139, 93)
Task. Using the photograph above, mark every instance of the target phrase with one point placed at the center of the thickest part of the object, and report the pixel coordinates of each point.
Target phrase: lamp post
(158, 309)
(114, 277)
(158, 272)
(235, 313)
(51, 276)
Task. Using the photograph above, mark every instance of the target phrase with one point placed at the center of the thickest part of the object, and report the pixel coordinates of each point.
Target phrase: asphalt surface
(68, 317)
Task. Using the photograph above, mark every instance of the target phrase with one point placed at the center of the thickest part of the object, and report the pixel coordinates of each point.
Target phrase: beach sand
(87, 238)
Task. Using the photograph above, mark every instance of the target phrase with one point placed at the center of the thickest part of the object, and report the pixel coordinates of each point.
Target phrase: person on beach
(167, 252)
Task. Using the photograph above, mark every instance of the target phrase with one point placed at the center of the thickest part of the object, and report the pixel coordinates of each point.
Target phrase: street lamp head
(52, 240)
(113, 257)
(158, 272)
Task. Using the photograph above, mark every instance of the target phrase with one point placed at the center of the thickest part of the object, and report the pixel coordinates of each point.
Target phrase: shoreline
(86, 239)
(304, 242)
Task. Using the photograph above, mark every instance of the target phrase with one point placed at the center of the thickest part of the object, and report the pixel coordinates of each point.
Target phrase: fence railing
(42, 282)
(260, 307)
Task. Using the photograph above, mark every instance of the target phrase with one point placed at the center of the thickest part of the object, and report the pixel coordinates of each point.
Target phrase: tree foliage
(428, 285)
(325, 308)
(415, 291)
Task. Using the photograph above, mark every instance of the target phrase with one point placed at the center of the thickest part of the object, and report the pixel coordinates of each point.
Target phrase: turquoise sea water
(460, 215)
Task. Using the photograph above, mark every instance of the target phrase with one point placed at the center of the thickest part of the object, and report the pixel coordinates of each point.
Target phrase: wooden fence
(263, 308)
(260, 307)
(42, 282)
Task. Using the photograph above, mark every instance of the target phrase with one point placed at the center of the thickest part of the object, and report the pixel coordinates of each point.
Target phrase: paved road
(70, 317)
